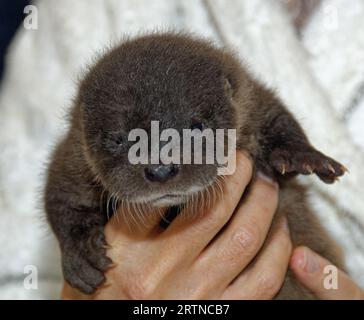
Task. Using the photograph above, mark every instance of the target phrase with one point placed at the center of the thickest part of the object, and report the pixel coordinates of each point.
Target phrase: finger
(199, 231)
(321, 277)
(233, 250)
(264, 278)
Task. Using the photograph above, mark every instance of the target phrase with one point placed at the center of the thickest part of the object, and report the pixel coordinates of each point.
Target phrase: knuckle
(244, 242)
(246, 239)
(139, 287)
(268, 284)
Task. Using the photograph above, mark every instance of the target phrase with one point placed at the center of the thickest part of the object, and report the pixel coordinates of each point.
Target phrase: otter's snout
(161, 173)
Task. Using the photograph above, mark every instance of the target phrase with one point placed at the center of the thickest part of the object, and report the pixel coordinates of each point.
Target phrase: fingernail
(312, 262)
(266, 178)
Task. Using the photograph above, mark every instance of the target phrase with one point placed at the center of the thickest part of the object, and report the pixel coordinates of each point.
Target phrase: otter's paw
(84, 261)
(295, 160)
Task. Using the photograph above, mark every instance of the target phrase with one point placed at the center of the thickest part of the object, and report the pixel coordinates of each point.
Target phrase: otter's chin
(168, 200)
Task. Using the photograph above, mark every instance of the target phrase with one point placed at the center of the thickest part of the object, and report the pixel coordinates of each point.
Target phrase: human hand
(206, 257)
(308, 268)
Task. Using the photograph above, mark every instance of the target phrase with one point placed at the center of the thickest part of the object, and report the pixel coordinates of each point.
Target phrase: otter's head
(179, 82)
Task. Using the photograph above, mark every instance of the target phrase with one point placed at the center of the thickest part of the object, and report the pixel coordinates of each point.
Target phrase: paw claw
(306, 160)
(309, 169)
(331, 168)
(283, 171)
(112, 265)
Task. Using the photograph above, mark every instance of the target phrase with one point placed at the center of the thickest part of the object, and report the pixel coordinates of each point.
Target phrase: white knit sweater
(320, 78)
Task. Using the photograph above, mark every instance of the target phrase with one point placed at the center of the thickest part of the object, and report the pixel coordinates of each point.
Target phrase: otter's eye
(198, 125)
(119, 140)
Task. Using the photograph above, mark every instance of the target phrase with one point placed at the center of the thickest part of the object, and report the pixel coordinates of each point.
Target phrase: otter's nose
(161, 173)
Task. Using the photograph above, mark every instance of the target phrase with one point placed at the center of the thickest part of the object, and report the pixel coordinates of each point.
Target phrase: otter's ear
(228, 88)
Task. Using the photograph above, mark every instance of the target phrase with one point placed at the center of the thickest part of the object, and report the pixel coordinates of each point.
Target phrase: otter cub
(181, 82)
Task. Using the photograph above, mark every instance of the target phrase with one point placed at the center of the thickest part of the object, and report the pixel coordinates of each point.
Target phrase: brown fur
(178, 80)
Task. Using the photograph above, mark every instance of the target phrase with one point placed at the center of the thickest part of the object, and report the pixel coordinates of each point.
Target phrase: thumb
(322, 278)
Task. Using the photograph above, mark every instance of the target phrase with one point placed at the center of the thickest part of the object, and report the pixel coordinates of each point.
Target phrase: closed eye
(119, 140)
(198, 125)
